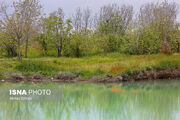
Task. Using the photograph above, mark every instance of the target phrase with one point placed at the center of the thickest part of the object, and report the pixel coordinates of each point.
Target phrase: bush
(75, 47)
(65, 76)
(166, 48)
(35, 66)
(1, 75)
(168, 64)
(51, 53)
(130, 72)
(148, 43)
(112, 43)
(89, 74)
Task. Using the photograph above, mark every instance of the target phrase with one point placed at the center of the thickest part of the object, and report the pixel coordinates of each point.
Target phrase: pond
(153, 100)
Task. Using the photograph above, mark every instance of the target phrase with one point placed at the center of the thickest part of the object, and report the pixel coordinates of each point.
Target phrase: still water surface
(129, 101)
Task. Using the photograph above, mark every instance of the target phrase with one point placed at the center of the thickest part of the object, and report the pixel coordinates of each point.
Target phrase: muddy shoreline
(141, 76)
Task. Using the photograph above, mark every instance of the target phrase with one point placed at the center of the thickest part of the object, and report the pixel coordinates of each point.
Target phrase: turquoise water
(129, 101)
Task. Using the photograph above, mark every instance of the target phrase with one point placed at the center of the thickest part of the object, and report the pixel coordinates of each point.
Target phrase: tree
(160, 18)
(42, 39)
(18, 24)
(14, 23)
(8, 42)
(87, 21)
(114, 19)
(82, 22)
(57, 29)
(32, 13)
(77, 20)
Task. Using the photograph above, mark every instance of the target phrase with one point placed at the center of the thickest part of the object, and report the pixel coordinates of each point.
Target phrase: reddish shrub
(117, 70)
(166, 48)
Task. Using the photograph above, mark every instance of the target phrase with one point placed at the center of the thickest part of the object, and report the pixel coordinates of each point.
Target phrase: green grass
(30, 67)
(1, 75)
(35, 66)
(167, 64)
(100, 65)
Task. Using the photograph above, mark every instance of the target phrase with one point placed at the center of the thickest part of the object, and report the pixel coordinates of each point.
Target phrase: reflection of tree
(17, 110)
(159, 104)
(155, 101)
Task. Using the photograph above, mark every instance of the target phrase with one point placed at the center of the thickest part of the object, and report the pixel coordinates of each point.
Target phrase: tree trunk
(19, 50)
(26, 46)
(137, 41)
(59, 52)
(13, 52)
(60, 47)
(87, 52)
(8, 51)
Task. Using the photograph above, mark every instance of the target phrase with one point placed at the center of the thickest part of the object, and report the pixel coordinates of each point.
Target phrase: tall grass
(34, 66)
(99, 65)
(1, 75)
(167, 64)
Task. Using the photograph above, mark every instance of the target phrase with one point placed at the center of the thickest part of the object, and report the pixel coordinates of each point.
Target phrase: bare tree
(82, 22)
(86, 19)
(115, 19)
(160, 17)
(77, 20)
(87, 22)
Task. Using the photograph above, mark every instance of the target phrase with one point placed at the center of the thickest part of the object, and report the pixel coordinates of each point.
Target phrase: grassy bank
(101, 65)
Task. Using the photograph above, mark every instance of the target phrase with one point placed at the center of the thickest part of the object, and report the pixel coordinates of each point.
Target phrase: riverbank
(143, 75)
(106, 68)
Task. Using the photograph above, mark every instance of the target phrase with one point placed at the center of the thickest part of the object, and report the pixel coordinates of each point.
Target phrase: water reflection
(149, 101)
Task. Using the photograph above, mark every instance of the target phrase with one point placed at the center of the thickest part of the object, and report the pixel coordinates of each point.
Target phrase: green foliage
(1, 75)
(89, 74)
(75, 46)
(112, 43)
(35, 66)
(130, 72)
(114, 32)
(99, 65)
(34, 54)
(58, 32)
(141, 42)
(42, 39)
(52, 53)
(148, 43)
(114, 25)
(167, 64)
(128, 45)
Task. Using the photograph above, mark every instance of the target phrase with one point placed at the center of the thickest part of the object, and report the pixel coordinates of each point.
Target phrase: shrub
(55, 61)
(75, 47)
(168, 64)
(65, 76)
(34, 53)
(130, 72)
(148, 42)
(112, 43)
(1, 75)
(51, 53)
(90, 74)
(35, 66)
(118, 70)
(166, 48)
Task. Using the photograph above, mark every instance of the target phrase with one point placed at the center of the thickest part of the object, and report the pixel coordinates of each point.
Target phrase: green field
(101, 65)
